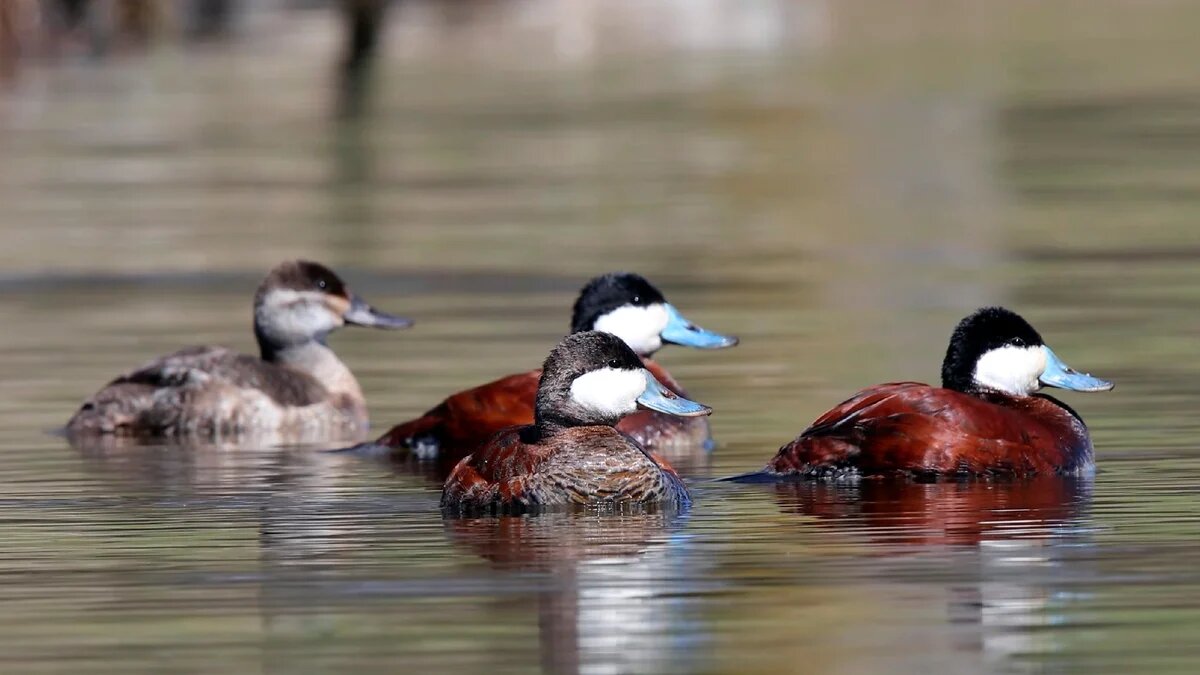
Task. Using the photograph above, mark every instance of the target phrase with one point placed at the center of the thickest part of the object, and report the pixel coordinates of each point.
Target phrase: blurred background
(836, 182)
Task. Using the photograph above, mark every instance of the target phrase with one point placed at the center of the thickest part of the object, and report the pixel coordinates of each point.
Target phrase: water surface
(838, 191)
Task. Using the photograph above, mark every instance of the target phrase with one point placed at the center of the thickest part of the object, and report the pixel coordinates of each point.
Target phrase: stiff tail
(120, 407)
(805, 458)
(372, 449)
(760, 476)
(417, 439)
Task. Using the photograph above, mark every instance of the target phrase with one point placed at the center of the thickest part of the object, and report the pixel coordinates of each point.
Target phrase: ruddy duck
(297, 385)
(623, 304)
(985, 420)
(572, 454)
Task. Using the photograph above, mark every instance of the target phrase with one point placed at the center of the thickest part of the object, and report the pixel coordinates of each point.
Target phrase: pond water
(838, 191)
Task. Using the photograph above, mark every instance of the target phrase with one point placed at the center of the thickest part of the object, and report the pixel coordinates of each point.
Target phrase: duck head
(594, 378)
(302, 301)
(996, 350)
(631, 308)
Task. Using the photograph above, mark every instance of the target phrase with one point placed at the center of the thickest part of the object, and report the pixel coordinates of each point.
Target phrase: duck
(624, 304)
(296, 383)
(572, 454)
(988, 418)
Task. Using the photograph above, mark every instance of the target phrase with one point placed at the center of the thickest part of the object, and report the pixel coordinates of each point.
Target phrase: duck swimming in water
(297, 383)
(626, 305)
(986, 419)
(571, 454)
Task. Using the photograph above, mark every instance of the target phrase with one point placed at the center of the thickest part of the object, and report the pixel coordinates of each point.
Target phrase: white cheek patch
(610, 392)
(291, 314)
(1011, 370)
(640, 327)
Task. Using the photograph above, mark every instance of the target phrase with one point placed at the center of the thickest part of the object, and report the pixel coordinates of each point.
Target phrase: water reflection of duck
(1014, 551)
(607, 601)
(298, 385)
(939, 514)
(572, 454)
(986, 419)
(545, 541)
(626, 305)
(185, 468)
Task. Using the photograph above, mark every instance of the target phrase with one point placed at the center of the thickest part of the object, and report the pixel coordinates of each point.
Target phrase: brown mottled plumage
(571, 455)
(216, 391)
(298, 385)
(576, 466)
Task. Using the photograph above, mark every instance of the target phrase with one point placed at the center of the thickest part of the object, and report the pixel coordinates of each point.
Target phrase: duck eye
(321, 284)
(637, 299)
(614, 363)
(1017, 342)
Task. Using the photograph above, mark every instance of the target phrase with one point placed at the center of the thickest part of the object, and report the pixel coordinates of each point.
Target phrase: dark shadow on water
(363, 23)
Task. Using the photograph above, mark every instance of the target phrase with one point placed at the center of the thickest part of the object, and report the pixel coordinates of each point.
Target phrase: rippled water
(838, 191)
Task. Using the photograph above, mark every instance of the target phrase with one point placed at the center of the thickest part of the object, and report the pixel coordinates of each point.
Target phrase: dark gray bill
(362, 314)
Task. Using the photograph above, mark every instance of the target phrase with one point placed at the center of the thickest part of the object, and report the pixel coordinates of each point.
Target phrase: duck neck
(551, 413)
(545, 428)
(317, 360)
